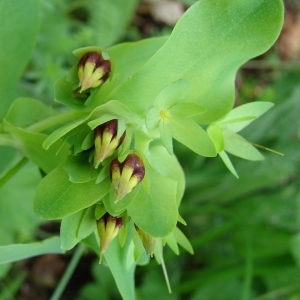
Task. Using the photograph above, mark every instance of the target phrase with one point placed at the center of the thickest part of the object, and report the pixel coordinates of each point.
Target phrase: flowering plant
(111, 174)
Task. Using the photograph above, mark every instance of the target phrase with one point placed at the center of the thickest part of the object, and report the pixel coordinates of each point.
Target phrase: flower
(126, 175)
(93, 70)
(108, 228)
(106, 141)
(147, 240)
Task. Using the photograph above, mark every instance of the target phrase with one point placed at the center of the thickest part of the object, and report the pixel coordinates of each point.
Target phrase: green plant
(107, 161)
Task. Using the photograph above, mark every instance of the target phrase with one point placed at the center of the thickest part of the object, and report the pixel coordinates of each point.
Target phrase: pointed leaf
(243, 115)
(56, 197)
(238, 146)
(155, 213)
(228, 163)
(190, 134)
(15, 252)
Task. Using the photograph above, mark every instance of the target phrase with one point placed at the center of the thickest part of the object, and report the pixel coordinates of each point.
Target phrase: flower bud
(93, 70)
(108, 228)
(106, 141)
(147, 240)
(126, 175)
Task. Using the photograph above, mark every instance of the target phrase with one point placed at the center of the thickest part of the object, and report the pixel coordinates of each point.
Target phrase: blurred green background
(245, 232)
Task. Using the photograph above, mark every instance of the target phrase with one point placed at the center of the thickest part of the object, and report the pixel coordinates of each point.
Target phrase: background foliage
(245, 232)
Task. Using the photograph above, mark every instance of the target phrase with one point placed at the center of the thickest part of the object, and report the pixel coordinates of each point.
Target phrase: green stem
(68, 273)
(55, 120)
(13, 171)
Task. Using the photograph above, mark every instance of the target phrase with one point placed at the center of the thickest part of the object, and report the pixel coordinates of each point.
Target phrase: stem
(68, 273)
(13, 171)
(55, 120)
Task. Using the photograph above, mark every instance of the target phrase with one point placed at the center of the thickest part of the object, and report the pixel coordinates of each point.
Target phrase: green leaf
(68, 230)
(207, 46)
(155, 213)
(186, 110)
(19, 27)
(16, 197)
(27, 111)
(216, 135)
(166, 136)
(172, 94)
(182, 240)
(168, 166)
(238, 146)
(228, 163)
(57, 197)
(15, 252)
(60, 132)
(129, 57)
(87, 224)
(243, 115)
(79, 169)
(190, 134)
(122, 265)
(172, 243)
(31, 144)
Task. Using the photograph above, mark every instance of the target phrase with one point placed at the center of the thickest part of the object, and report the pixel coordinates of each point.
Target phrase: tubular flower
(93, 70)
(106, 141)
(108, 228)
(147, 240)
(126, 175)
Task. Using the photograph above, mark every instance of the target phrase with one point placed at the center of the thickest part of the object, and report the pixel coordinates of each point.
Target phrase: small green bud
(93, 70)
(126, 175)
(147, 240)
(108, 228)
(106, 142)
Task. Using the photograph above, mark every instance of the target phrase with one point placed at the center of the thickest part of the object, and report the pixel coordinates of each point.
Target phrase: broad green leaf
(27, 111)
(87, 224)
(122, 265)
(31, 145)
(207, 46)
(19, 27)
(155, 213)
(190, 134)
(79, 169)
(168, 166)
(80, 136)
(68, 230)
(16, 197)
(56, 197)
(238, 146)
(216, 135)
(182, 240)
(228, 163)
(60, 132)
(243, 115)
(129, 57)
(15, 252)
